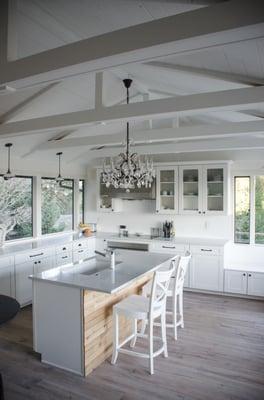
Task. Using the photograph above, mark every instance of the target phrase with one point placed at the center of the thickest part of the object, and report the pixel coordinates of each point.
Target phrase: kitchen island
(72, 307)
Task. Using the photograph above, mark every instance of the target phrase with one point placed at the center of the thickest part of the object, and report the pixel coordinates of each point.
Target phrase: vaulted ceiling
(192, 122)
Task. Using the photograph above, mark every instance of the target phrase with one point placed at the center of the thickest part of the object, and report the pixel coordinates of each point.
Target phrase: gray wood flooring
(218, 356)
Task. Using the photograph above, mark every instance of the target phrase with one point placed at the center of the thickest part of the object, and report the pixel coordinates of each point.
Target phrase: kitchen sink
(94, 266)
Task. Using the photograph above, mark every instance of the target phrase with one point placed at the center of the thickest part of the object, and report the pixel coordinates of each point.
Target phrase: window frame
(73, 207)
(252, 210)
(32, 211)
(83, 197)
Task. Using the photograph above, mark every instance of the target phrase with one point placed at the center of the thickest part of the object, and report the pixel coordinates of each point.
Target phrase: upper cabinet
(167, 190)
(203, 189)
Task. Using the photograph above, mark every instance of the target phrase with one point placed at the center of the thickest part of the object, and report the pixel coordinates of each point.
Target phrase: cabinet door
(6, 276)
(101, 244)
(190, 190)
(23, 283)
(206, 272)
(255, 284)
(235, 282)
(215, 189)
(167, 190)
(43, 265)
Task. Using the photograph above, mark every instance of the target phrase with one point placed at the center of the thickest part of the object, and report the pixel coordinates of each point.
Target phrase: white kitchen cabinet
(172, 248)
(206, 270)
(101, 244)
(43, 265)
(23, 283)
(63, 259)
(105, 201)
(235, 282)
(167, 190)
(190, 189)
(7, 276)
(255, 284)
(244, 282)
(203, 189)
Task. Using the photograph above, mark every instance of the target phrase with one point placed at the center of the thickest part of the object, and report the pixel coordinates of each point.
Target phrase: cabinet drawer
(34, 255)
(168, 248)
(6, 261)
(80, 244)
(206, 250)
(64, 248)
(62, 259)
(82, 254)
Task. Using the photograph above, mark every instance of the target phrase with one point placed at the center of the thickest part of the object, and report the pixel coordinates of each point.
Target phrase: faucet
(112, 256)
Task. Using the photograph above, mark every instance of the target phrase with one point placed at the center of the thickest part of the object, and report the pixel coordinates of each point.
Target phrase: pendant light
(59, 177)
(128, 171)
(8, 175)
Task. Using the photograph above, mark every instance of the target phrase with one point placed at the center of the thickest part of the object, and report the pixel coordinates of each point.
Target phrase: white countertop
(95, 273)
(10, 249)
(245, 267)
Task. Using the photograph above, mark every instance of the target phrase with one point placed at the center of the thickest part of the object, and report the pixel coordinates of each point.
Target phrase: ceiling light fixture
(59, 177)
(8, 175)
(127, 171)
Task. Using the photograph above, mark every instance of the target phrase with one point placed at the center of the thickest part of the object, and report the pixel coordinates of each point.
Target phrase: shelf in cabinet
(190, 181)
(215, 181)
(167, 182)
(190, 195)
(215, 195)
(166, 195)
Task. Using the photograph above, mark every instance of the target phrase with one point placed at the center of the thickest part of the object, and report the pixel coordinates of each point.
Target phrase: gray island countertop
(95, 273)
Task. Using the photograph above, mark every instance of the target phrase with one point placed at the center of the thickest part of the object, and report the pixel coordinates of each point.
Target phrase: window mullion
(252, 208)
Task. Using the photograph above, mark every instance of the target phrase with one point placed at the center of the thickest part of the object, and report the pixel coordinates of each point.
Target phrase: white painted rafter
(199, 29)
(187, 147)
(236, 99)
(224, 76)
(197, 132)
(4, 118)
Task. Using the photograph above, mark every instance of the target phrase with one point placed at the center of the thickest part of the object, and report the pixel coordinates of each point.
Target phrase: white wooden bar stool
(137, 307)
(176, 293)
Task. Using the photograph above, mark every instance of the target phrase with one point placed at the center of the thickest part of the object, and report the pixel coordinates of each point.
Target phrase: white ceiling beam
(236, 99)
(98, 90)
(224, 76)
(197, 132)
(25, 103)
(188, 147)
(12, 44)
(199, 29)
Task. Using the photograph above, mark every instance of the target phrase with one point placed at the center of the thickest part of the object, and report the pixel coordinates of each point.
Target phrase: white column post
(36, 206)
(76, 204)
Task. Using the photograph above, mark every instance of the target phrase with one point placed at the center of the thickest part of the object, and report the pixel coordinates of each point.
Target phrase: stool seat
(135, 306)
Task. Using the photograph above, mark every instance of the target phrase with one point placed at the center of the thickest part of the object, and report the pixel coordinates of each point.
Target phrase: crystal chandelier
(127, 171)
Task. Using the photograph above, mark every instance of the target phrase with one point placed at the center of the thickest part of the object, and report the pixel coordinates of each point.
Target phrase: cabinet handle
(64, 248)
(206, 250)
(64, 257)
(79, 244)
(36, 255)
(203, 212)
(244, 274)
(249, 274)
(39, 262)
(200, 212)
(168, 247)
(80, 251)
(35, 262)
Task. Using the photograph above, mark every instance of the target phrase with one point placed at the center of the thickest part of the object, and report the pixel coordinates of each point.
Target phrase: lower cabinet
(206, 270)
(23, 283)
(243, 282)
(7, 276)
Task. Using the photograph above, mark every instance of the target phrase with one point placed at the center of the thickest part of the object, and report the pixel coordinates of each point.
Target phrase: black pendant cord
(59, 155)
(127, 126)
(8, 170)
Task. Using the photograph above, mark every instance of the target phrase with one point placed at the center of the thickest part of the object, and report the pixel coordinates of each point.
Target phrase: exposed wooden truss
(202, 28)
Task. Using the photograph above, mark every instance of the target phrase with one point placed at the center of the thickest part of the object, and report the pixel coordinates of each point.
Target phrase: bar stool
(137, 307)
(182, 263)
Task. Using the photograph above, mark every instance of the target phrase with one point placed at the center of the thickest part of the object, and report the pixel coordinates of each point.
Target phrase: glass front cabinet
(167, 190)
(203, 189)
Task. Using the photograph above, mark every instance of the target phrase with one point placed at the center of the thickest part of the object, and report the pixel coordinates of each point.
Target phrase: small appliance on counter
(123, 232)
(168, 229)
(156, 233)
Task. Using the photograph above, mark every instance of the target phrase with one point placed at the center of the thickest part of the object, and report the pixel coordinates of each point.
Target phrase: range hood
(134, 194)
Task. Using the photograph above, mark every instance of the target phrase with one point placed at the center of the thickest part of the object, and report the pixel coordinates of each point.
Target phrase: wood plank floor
(218, 356)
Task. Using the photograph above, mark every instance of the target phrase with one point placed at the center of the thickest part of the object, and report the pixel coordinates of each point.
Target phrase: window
(259, 210)
(56, 205)
(81, 200)
(249, 220)
(16, 207)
